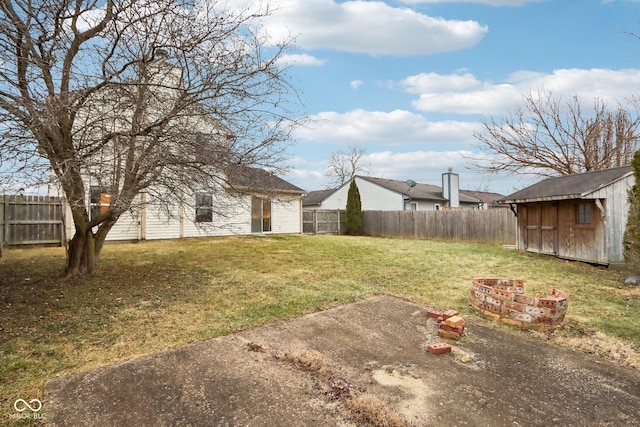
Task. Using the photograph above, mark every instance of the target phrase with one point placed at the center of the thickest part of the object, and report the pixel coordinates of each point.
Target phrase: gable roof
(316, 197)
(568, 186)
(247, 178)
(486, 197)
(419, 191)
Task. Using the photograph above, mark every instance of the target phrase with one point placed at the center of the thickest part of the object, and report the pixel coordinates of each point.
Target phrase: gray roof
(313, 198)
(248, 178)
(569, 186)
(486, 197)
(419, 191)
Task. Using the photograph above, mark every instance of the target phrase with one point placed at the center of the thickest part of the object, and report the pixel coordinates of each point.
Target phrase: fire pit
(504, 299)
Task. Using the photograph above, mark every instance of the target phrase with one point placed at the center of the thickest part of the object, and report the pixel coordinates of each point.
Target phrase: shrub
(354, 213)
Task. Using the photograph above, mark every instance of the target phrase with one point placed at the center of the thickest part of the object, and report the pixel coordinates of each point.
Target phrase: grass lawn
(151, 296)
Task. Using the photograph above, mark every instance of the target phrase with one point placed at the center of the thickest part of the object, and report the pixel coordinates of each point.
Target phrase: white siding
(127, 227)
(377, 198)
(286, 215)
(424, 205)
(159, 225)
(372, 196)
(337, 200)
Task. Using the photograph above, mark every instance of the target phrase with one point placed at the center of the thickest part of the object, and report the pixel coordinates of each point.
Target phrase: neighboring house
(580, 217)
(244, 200)
(379, 194)
(487, 199)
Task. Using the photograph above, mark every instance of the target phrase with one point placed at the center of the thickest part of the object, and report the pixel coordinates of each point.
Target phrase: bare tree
(136, 96)
(344, 165)
(548, 137)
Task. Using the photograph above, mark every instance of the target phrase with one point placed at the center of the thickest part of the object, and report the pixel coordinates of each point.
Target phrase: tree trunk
(85, 247)
(81, 254)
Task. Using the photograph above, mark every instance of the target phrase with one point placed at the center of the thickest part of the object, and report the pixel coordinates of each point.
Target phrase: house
(380, 194)
(242, 200)
(256, 202)
(579, 217)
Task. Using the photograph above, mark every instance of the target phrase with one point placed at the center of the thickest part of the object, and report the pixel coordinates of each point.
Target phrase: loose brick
(491, 314)
(525, 299)
(447, 334)
(457, 329)
(521, 317)
(502, 294)
(512, 305)
(486, 289)
(534, 311)
(439, 348)
(558, 293)
(547, 302)
(434, 314)
(511, 322)
(449, 313)
(454, 321)
(485, 281)
(493, 301)
(478, 295)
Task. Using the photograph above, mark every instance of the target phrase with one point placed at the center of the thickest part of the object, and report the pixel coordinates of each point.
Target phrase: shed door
(541, 231)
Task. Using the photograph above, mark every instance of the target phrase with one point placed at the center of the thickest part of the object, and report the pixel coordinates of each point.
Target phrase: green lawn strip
(157, 295)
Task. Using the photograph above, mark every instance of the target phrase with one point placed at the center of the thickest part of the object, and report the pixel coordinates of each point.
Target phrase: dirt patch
(343, 366)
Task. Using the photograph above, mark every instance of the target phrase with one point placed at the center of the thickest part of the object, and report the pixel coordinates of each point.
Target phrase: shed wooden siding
(616, 203)
(552, 228)
(547, 222)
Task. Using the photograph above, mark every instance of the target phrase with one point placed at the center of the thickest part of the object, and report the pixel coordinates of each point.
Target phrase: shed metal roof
(569, 186)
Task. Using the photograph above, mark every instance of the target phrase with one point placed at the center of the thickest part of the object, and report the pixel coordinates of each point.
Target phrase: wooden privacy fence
(31, 220)
(485, 226)
(323, 221)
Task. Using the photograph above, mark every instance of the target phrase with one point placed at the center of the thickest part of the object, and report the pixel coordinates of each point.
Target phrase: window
(583, 213)
(413, 206)
(100, 200)
(260, 215)
(204, 207)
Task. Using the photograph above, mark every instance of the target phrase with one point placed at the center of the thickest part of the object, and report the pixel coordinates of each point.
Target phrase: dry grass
(156, 295)
(362, 409)
(307, 360)
(368, 410)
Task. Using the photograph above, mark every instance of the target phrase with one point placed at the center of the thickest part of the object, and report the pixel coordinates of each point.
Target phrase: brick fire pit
(504, 299)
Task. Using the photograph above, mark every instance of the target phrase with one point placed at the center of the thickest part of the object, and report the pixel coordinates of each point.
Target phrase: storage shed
(580, 217)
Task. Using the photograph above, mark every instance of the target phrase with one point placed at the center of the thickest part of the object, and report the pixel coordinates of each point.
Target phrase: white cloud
(370, 27)
(487, 2)
(301, 59)
(398, 127)
(355, 84)
(465, 94)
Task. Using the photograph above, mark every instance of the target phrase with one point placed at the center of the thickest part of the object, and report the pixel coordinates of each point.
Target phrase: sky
(411, 80)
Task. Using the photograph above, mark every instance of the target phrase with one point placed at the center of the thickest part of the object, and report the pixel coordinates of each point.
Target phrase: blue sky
(410, 80)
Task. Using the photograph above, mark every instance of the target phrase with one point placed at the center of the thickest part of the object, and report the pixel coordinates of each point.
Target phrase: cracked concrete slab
(379, 345)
